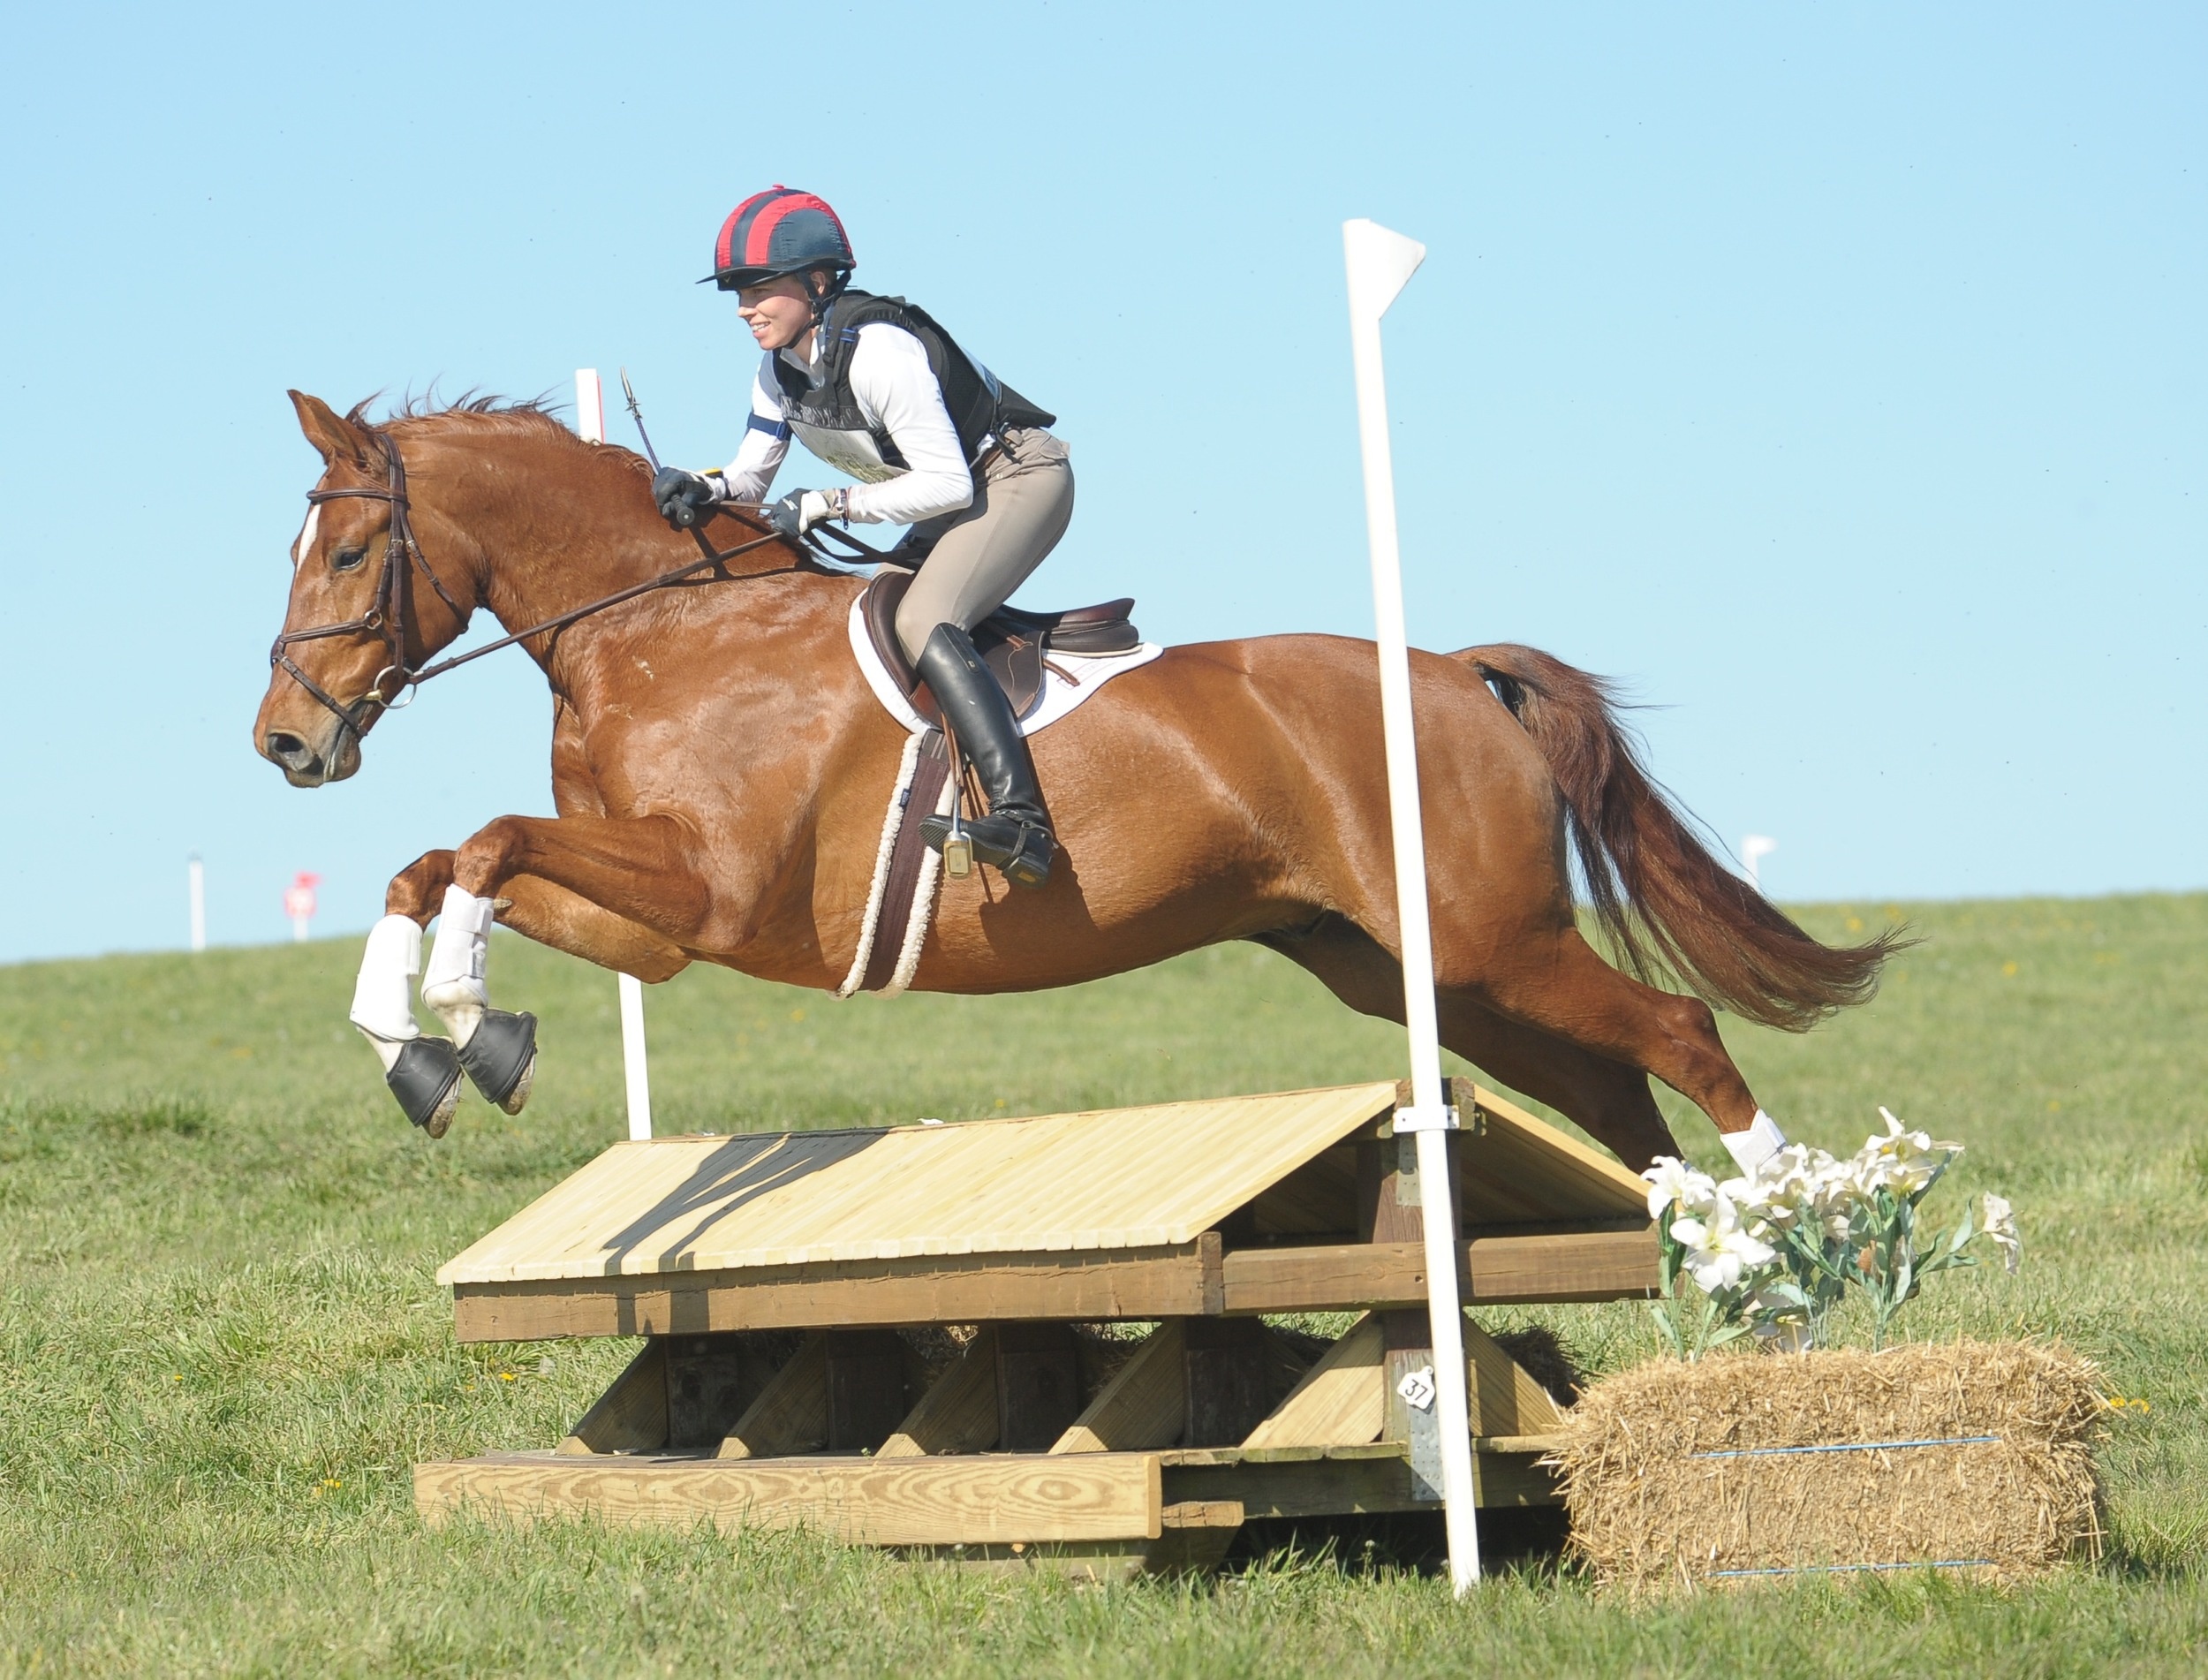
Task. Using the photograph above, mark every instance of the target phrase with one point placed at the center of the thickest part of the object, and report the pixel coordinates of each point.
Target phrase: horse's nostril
(285, 748)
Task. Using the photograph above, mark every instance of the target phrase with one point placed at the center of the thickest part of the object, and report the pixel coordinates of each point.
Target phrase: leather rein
(387, 618)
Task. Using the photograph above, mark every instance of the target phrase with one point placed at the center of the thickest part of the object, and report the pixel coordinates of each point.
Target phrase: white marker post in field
(1380, 262)
(195, 883)
(1754, 848)
(590, 422)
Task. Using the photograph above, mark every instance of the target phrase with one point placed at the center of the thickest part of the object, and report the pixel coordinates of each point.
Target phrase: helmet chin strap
(821, 297)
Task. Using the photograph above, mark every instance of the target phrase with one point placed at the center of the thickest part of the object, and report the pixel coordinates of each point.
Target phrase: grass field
(221, 1349)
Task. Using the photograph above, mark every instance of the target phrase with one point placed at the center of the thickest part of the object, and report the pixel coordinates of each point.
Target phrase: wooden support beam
(1168, 1282)
(630, 1416)
(1407, 1335)
(791, 1414)
(1494, 1271)
(1037, 1385)
(1340, 1400)
(959, 1412)
(1506, 1401)
(1031, 1498)
(1144, 1405)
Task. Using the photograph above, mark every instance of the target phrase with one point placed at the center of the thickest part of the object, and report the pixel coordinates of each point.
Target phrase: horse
(720, 768)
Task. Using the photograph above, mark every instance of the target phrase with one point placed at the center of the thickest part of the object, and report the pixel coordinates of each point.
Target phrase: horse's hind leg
(1553, 980)
(1608, 1100)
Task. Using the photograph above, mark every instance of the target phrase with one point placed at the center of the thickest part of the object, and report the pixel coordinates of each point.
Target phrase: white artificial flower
(1671, 1180)
(1904, 1162)
(1719, 1249)
(1777, 1191)
(1999, 1223)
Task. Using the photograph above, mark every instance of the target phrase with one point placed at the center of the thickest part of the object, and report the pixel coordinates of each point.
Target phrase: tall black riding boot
(1015, 835)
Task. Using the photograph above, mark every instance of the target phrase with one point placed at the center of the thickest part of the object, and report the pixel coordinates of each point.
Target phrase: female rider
(874, 388)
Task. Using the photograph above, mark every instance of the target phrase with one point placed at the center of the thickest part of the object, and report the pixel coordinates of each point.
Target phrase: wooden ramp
(905, 1334)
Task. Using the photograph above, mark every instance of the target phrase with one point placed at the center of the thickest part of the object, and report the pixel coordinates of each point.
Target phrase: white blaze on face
(307, 534)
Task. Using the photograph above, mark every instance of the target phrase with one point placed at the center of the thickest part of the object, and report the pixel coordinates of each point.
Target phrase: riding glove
(684, 499)
(800, 511)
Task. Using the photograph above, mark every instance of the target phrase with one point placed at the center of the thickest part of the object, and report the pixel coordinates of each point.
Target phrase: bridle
(387, 618)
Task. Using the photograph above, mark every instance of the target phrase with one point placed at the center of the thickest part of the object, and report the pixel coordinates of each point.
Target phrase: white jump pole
(590, 422)
(1380, 263)
(195, 881)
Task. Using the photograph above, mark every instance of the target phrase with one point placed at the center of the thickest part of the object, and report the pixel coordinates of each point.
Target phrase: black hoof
(501, 1057)
(425, 1079)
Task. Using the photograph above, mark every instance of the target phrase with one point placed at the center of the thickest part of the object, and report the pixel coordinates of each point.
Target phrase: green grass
(221, 1349)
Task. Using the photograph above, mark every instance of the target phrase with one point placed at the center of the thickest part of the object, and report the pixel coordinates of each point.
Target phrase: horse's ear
(338, 437)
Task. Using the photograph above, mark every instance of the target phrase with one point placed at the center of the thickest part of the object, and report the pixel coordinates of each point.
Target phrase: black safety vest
(980, 404)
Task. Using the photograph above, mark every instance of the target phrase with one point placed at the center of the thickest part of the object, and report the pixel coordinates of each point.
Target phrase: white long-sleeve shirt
(895, 390)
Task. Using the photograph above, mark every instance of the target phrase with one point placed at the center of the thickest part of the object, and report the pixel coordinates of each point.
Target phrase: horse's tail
(1665, 901)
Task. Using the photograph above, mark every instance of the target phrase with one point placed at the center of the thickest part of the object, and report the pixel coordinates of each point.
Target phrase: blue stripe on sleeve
(779, 430)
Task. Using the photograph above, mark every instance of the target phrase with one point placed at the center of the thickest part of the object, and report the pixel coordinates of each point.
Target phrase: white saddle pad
(1068, 679)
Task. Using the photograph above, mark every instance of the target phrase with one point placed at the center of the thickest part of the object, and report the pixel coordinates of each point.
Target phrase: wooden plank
(959, 1412)
(1037, 1385)
(1570, 1266)
(1197, 1535)
(1226, 1385)
(1333, 1486)
(1144, 1405)
(866, 1388)
(791, 1416)
(1318, 1201)
(1132, 1178)
(1496, 1270)
(1143, 1283)
(630, 1416)
(1340, 1399)
(897, 1501)
(1534, 1172)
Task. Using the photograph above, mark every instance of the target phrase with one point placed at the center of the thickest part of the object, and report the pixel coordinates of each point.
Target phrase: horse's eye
(346, 559)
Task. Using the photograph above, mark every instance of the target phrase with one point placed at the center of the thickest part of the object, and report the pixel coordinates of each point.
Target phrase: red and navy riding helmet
(779, 232)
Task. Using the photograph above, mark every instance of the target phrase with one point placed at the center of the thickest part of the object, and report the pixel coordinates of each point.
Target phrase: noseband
(387, 618)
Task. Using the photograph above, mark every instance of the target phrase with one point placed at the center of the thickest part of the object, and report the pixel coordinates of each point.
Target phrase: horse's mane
(486, 412)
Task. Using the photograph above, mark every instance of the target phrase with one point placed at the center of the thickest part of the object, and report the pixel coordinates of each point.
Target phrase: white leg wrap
(1753, 1148)
(452, 985)
(380, 1006)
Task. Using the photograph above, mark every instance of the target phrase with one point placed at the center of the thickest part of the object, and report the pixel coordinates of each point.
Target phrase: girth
(1015, 643)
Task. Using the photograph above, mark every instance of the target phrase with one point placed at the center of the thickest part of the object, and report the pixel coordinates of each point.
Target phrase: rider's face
(779, 312)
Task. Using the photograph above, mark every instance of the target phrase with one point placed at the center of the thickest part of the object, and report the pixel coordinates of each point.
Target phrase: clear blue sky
(1836, 376)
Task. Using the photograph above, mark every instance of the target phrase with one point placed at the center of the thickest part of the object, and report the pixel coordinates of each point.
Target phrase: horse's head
(358, 622)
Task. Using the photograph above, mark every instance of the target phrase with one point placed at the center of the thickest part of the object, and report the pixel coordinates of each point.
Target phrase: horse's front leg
(425, 1073)
(618, 866)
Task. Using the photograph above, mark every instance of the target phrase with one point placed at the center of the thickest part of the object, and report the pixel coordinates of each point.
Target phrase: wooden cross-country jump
(899, 1336)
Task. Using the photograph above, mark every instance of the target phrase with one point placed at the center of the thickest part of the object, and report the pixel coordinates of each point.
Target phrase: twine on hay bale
(1974, 1455)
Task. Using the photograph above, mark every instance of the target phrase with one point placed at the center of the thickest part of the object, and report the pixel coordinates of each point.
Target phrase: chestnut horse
(719, 767)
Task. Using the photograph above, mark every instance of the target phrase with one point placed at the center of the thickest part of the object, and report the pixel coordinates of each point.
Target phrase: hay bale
(1678, 1473)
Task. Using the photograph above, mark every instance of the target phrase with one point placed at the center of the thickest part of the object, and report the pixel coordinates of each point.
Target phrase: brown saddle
(1013, 641)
